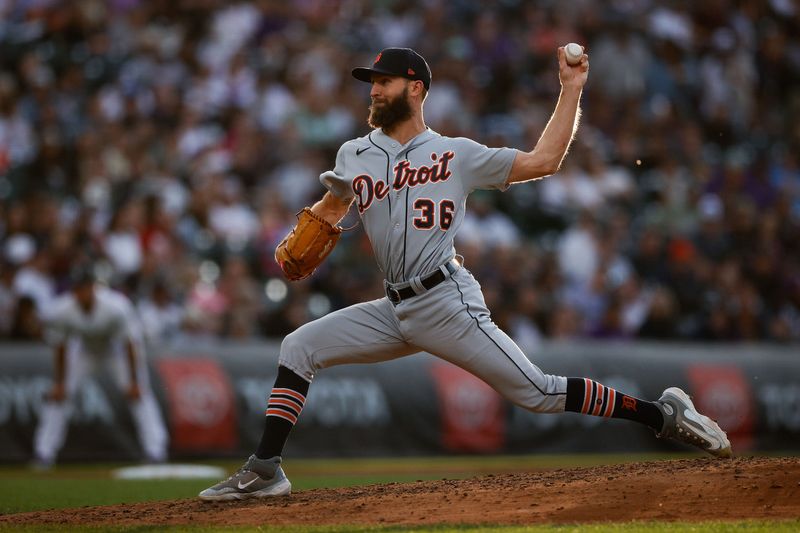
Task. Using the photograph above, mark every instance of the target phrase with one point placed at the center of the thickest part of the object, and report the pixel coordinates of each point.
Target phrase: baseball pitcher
(410, 186)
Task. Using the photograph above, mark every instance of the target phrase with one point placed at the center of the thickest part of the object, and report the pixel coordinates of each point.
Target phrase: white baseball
(574, 52)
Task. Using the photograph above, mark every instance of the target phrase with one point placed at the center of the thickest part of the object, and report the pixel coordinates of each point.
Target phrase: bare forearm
(560, 130)
(549, 152)
(546, 157)
(331, 208)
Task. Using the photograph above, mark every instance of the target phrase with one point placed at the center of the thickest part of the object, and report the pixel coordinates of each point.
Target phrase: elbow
(536, 165)
(546, 163)
(550, 167)
(554, 167)
(546, 168)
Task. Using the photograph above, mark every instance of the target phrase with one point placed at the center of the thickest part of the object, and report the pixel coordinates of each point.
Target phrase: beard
(391, 113)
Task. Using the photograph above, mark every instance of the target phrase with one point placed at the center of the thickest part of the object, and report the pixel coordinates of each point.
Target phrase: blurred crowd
(171, 144)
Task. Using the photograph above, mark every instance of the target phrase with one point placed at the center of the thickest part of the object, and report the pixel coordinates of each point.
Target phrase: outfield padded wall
(214, 396)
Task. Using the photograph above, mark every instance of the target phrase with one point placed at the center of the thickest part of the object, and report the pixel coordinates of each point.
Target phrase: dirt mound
(698, 489)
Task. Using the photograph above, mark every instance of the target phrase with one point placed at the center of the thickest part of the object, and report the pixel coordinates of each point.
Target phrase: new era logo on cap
(403, 62)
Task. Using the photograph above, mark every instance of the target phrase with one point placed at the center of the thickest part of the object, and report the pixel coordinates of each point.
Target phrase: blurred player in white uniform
(93, 327)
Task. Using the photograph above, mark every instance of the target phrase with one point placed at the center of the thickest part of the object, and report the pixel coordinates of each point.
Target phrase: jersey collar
(394, 148)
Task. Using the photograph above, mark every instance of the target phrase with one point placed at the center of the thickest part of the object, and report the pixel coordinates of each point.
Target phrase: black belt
(430, 281)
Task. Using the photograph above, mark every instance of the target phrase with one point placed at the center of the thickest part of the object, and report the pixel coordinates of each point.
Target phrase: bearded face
(387, 113)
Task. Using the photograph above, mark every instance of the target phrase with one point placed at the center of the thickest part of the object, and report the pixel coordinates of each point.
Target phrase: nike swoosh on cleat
(242, 487)
(362, 150)
(714, 442)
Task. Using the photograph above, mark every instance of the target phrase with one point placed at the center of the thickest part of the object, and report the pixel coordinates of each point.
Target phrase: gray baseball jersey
(411, 199)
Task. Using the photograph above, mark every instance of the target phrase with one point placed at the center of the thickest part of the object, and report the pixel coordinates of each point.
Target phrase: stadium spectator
(162, 318)
(25, 325)
(177, 139)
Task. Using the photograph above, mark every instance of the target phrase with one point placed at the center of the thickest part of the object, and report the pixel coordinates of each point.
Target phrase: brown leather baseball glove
(307, 245)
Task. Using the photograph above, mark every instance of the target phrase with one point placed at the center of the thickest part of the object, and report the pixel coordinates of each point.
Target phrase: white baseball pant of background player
(95, 341)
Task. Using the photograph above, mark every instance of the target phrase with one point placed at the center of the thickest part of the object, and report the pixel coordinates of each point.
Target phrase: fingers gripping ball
(306, 246)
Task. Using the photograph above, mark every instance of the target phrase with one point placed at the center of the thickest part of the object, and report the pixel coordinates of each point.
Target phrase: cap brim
(365, 73)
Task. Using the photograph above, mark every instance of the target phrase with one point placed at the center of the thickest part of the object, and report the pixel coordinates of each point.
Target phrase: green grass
(631, 527)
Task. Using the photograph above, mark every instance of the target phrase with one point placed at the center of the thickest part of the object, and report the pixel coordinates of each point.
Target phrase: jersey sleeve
(126, 321)
(335, 180)
(482, 167)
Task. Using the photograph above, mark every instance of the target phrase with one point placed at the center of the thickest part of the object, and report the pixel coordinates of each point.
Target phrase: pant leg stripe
(477, 323)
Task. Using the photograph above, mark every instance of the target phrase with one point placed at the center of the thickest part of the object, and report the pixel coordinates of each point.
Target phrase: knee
(293, 347)
(295, 354)
(545, 404)
(545, 395)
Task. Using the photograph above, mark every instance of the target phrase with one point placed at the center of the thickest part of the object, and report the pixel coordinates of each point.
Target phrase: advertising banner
(200, 405)
(214, 400)
(472, 413)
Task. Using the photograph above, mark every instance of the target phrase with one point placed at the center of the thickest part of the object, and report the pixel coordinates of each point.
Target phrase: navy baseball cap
(403, 62)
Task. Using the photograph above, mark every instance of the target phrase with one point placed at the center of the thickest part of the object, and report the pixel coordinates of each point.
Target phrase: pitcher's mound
(684, 490)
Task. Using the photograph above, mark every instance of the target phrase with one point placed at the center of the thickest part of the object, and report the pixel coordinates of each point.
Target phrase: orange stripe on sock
(290, 392)
(282, 414)
(598, 402)
(610, 405)
(288, 403)
(587, 395)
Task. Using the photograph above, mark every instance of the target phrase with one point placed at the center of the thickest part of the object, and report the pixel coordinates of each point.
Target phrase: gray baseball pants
(450, 321)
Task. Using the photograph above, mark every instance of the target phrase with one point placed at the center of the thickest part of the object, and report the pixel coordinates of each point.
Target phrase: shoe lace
(239, 472)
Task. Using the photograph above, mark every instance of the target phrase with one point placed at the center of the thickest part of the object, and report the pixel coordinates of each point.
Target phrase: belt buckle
(453, 265)
(393, 295)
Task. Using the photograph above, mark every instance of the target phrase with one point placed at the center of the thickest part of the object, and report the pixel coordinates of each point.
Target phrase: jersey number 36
(426, 219)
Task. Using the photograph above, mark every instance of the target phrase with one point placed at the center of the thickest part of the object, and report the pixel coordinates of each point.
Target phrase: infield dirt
(685, 490)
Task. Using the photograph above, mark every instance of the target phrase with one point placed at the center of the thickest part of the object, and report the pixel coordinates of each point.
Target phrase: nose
(374, 91)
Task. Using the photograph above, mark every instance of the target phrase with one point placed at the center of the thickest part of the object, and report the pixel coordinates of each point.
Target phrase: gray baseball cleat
(682, 422)
(258, 478)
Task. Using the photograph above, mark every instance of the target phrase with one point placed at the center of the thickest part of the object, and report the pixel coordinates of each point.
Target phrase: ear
(416, 87)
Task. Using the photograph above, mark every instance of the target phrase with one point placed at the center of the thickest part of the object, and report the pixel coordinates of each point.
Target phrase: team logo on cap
(377, 57)
(411, 72)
